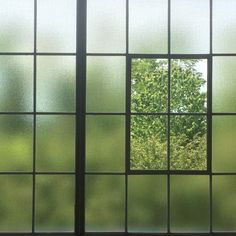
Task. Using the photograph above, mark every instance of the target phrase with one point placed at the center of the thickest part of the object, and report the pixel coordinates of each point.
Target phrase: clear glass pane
(56, 25)
(148, 142)
(190, 22)
(16, 25)
(224, 26)
(105, 143)
(147, 202)
(105, 84)
(224, 204)
(56, 83)
(190, 203)
(149, 83)
(54, 203)
(224, 84)
(16, 83)
(15, 203)
(106, 21)
(16, 142)
(55, 143)
(105, 195)
(189, 85)
(148, 26)
(188, 143)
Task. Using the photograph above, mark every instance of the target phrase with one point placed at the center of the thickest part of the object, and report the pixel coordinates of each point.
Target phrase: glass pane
(55, 143)
(189, 85)
(188, 143)
(224, 25)
(56, 83)
(105, 195)
(149, 83)
(54, 203)
(16, 83)
(16, 142)
(224, 84)
(190, 26)
(16, 25)
(224, 204)
(105, 143)
(106, 21)
(148, 26)
(105, 84)
(190, 203)
(56, 25)
(148, 142)
(147, 202)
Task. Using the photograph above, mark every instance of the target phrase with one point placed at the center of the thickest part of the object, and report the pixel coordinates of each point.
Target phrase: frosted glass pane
(224, 26)
(105, 84)
(16, 83)
(15, 203)
(56, 25)
(16, 142)
(190, 26)
(223, 143)
(106, 22)
(148, 23)
(105, 195)
(105, 143)
(224, 84)
(16, 25)
(147, 202)
(56, 83)
(55, 143)
(190, 204)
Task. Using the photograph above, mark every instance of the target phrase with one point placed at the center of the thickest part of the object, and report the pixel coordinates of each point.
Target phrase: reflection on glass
(55, 143)
(106, 26)
(54, 203)
(104, 205)
(105, 143)
(189, 203)
(16, 83)
(56, 25)
(148, 26)
(56, 83)
(188, 142)
(147, 202)
(148, 142)
(15, 203)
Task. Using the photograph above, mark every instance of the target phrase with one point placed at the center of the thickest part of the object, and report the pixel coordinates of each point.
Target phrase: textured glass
(148, 142)
(224, 204)
(105, 84)
(55, 143)
(147, 202)
(148, 26)
(16, 144)
(149, 83)
(16, 83)
(189, 203)
(54, 203)
(56, 25)
(106, 21)
(224, 26)
(56, 83)
(188, 143)
(16, 25)
(105, 203)
(224, 84)
(189, 85)
(190, 22)
(105, 143)
(15, 203)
